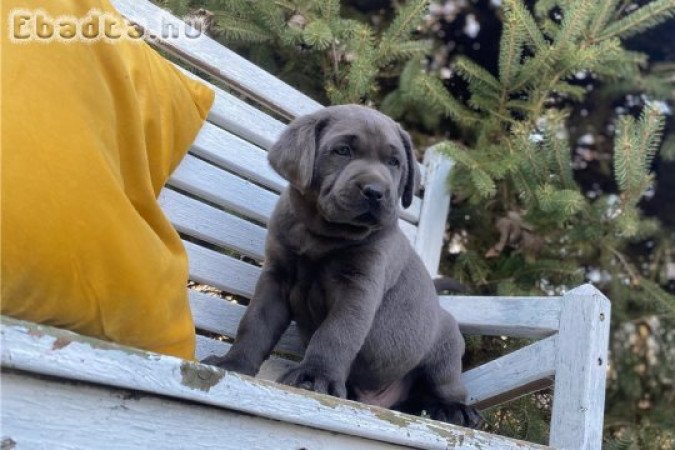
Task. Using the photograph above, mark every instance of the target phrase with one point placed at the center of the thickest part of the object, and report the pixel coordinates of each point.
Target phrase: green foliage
(299, 39)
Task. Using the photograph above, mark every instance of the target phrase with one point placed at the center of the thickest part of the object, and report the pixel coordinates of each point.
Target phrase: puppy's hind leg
(445, 393)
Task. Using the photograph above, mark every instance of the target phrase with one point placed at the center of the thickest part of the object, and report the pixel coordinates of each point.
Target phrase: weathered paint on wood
(505, 316)
(580, 370)
(513, 375)
(435, 207)
(62, 354)
(95, 417)
(216, 60)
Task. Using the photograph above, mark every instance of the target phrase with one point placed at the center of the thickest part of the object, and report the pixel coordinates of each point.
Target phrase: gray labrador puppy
(338, 264)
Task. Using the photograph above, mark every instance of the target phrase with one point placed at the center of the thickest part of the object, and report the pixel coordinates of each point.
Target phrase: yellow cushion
(90, 134)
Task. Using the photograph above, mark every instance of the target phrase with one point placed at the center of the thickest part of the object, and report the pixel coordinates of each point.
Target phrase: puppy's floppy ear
(292, 156)
(413, 175)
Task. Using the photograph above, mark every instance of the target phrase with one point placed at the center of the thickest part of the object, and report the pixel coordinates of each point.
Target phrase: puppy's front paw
(456, 413)
(312, 380)
(231, 364)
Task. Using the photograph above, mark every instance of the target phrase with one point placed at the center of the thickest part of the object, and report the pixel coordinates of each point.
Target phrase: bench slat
(223, 189)
(67, 415)
(235, 154)
(521, 372)
(58, 353)
(221, 271)
(226, 150)
(204, 222)
(222, 317)
(238, 117)
(218, 61)
(531, 317)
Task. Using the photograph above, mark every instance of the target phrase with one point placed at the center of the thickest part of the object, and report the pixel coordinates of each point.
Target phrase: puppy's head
(353, 162)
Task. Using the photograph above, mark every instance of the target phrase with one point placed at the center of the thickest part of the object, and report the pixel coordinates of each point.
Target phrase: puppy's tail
(447, 284)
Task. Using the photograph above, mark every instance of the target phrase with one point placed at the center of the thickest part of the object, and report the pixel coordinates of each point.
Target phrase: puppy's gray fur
(338, 264)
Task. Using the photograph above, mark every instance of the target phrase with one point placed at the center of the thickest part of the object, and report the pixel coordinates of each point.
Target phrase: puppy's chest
(309, 294)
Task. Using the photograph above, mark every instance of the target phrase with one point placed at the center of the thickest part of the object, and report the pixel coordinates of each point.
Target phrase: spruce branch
(526, 22)
(477, 76)
(317, 34)
(407, 18)
(603, 15)
(575, 19)
(626, 157)
(644, 18)
(650, 132)
(510, 50)
(433, 92)
(236, 30)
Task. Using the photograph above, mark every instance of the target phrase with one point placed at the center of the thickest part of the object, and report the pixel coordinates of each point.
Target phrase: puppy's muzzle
(374, 193)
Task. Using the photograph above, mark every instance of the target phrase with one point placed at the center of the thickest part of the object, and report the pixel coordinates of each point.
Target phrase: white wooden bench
(63, 390)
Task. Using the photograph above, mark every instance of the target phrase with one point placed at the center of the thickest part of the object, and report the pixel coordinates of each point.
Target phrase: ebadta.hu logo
(40, 26)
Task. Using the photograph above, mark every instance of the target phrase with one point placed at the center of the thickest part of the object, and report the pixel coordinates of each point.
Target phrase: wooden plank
(271, 369)
(238, 117)
(511, 376)
(221, 271)
(48, 351)
(226, 150)
(235, 154)
(222, 317)
(216, 60)
(580, 370)
(204, 222)
(85, 416)
(434, 213)
(531, 317)
(223, 189)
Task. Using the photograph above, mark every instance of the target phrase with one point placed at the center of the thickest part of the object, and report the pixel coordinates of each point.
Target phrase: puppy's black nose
(373, 192)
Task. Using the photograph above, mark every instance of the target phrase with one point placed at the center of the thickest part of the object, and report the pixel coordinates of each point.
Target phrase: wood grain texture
(58, 353)
(435, 208)
(217, 60)
(502, 379)
(581, 370)
(505, 316)
(85, 416)
(206, 223)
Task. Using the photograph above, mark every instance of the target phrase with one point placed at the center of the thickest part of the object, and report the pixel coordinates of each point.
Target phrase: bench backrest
(221, 197)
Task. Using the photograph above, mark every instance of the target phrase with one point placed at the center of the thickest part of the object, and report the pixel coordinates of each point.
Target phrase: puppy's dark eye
(342, 150)
(393, 161)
